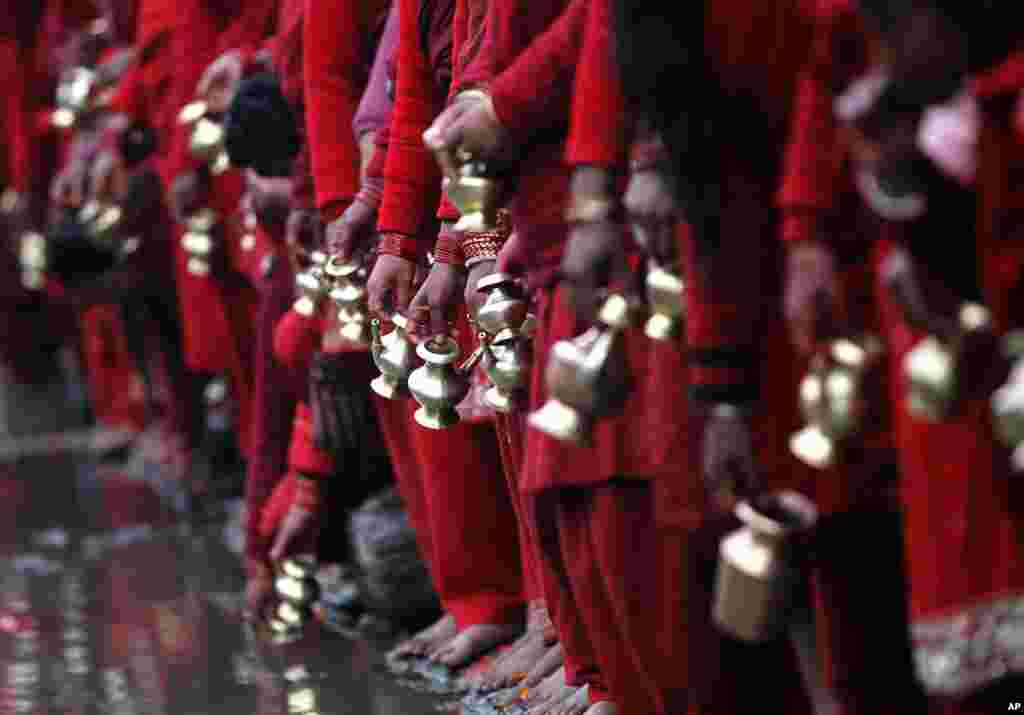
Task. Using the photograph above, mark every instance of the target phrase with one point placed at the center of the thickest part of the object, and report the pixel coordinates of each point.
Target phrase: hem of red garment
(486, 608)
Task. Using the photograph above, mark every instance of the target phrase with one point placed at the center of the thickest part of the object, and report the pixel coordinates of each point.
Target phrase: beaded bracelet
(485, 246)
(448, 249)
(402, 246)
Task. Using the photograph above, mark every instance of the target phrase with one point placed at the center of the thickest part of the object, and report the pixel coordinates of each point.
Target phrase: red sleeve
(412, 178)
(446, 211)
(333, 34)
(597, 129)
(813, 157)
(533, 92)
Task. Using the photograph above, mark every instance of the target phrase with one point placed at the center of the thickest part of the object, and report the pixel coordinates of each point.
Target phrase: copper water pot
(757, 572)
(394, 355)
(586, 377)
(439, 385)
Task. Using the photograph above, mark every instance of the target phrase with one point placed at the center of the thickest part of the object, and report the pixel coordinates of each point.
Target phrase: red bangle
(487, 245)
(448, 249)
(402, 246)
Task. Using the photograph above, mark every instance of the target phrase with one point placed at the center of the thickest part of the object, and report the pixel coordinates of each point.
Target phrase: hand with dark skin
(595, 254)
(810, 294)
(391, 285)
(220, 81)
(651, 206)
(298, 526)
(350, 233)
(469, 124)
(70, 185)
(728, 457)
(302, 229)
(259, 590)
(438, 298)
(189, 193)
(477, 272)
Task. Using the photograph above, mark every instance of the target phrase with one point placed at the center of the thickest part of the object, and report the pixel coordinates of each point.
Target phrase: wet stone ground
(114, 603)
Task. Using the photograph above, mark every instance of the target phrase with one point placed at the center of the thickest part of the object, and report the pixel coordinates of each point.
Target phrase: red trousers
(459, 504)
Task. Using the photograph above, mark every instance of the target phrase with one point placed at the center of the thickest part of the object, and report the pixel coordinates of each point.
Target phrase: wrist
(448, 249)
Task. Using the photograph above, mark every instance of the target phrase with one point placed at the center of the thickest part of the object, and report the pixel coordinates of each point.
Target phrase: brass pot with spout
(506, 362)
(101, 219)
(832, 398)
(349, 295)
(505, 306)
(586, 377)
(439, 385)
(394, 355)
(932, 367)
(666, 294)
(298, 591)
(758, 566)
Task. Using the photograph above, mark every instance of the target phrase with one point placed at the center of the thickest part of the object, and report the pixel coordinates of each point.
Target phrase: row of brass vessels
(832, 393)
(341, 282)
(297, 593)
(438, 383)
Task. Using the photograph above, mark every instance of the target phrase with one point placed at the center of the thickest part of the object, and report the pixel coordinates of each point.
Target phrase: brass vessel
(475, 194)
(395, 356)
(101, 219)
(666, 294)
(301, 693)
(439, 385)
(756, 567)
(32, 260)
(931, 367)
(207, 141)
(505, 306)
(832, 399)
(1007, 403)
(586, 377)
(198, 242)
(298, 591)
(349, 295)
(77, 96)
(506, 362)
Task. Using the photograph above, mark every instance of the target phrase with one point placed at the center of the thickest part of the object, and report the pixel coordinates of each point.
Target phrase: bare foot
(576, 704)
(514, 665)
(550, 662)
(426, 640)
(605, 707)
(473, 642)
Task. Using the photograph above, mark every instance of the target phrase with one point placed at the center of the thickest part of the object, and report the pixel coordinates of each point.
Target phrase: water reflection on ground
(111, 604)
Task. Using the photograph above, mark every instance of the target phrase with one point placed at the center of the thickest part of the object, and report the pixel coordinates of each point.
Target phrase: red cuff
(407, 247)
(303, 455)
(798, 226)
